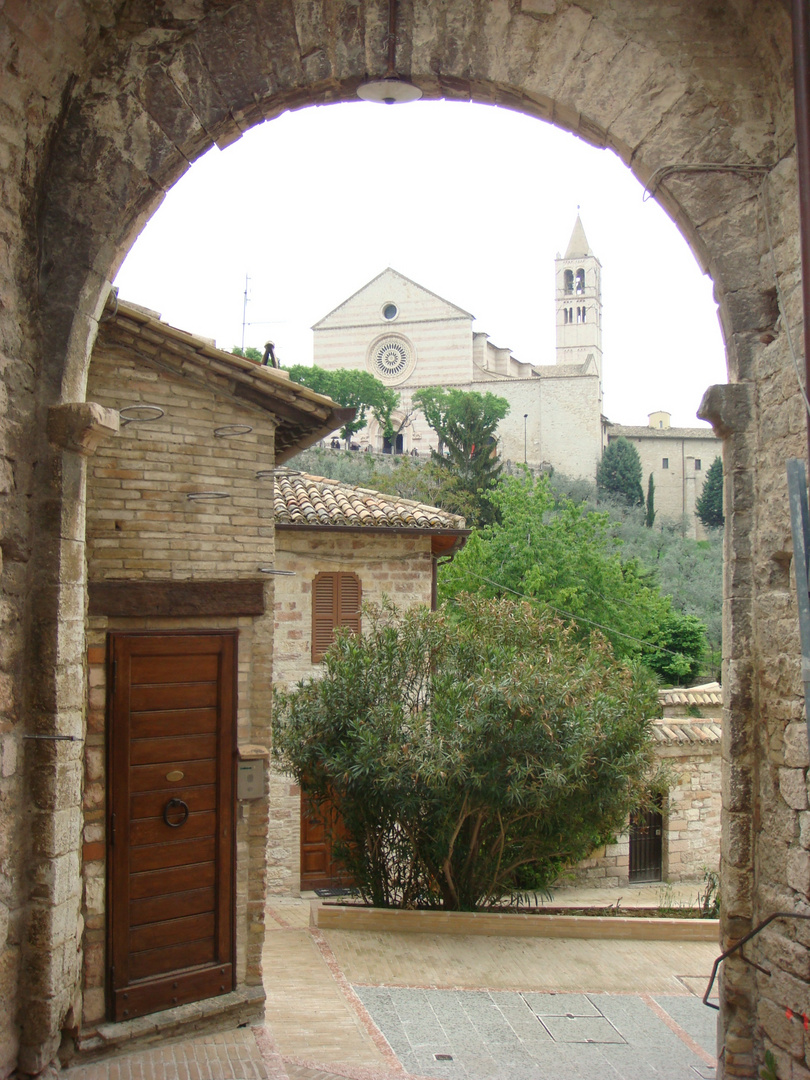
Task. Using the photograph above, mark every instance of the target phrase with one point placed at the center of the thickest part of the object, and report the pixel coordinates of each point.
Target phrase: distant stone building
(337, 547)
(677, 458)
(679, 840)
(410, 338)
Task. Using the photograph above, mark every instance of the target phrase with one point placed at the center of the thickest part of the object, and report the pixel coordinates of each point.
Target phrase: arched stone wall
(103, 105)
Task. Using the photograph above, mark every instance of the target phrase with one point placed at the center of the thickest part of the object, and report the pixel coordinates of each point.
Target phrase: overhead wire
(576, 618)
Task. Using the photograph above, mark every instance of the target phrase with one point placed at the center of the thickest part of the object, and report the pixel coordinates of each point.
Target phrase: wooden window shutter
(349, 599)
(336, 600)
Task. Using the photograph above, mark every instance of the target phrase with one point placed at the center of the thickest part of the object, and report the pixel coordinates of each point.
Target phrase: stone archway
(107, 104)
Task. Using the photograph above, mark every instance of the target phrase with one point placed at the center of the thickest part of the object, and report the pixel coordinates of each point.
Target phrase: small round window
(390, 311)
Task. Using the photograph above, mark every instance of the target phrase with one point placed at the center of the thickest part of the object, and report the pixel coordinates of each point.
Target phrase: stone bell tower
(579, 302)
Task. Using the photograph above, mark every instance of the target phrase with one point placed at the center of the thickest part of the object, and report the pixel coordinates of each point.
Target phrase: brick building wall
(690, 811)
(141, 526)
(140, 521)
(396, 567)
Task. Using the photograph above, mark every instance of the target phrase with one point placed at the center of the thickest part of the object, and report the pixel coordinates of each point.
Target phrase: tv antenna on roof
(244, 313)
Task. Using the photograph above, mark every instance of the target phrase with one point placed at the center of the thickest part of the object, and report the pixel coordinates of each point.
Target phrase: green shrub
(468, 751)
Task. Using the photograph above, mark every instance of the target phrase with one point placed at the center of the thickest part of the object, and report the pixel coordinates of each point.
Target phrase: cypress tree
(619, 472)
(650, 517)
(709, 507)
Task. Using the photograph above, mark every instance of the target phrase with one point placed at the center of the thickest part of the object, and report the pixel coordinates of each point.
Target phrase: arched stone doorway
(104, 106)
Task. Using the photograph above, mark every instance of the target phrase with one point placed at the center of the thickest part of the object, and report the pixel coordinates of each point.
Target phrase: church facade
(410, 338)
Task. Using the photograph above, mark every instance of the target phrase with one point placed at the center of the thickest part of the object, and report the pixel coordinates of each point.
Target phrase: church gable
(388, 299)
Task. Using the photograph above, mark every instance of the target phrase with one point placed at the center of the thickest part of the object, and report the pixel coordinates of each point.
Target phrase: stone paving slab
(310, 1009)
(690, 1013)
(512, 1036)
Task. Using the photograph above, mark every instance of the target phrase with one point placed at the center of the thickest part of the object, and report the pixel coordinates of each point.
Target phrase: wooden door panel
(153, 830)
(196, 695)
(179, 853)
(172, 742)
(172, 669)
(178, 988)
(315, 862)
(173, 722)
(315, 831)
(172, 932)
(154, 778)
(194, 902)
(150, 804)
(154, 751)
(171, 958)
(177, 879)
(319, 868)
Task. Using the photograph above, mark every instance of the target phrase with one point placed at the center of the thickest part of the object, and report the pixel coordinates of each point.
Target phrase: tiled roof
(302, 417)
(301, 499)
(630, 431)
(686, 730)
(706, 694)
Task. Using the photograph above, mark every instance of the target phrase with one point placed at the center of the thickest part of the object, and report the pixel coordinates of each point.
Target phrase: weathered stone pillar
(54, 737)
(730, 411)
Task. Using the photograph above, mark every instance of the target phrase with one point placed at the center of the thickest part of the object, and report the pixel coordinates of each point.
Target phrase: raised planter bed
(510, 924)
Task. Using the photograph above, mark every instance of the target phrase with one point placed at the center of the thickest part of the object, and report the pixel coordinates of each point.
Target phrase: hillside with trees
(567, 559)
(668, 576)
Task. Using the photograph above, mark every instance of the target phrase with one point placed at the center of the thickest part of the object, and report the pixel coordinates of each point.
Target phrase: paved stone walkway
(363, 1006)
(475, 1035)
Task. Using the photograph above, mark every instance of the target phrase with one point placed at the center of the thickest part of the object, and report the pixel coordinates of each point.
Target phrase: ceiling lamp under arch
(390, 89)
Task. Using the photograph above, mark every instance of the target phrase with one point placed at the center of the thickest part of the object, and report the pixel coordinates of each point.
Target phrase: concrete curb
(509, 924)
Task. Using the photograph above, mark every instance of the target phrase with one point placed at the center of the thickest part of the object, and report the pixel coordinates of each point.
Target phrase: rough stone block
(798, 871)
(796, 751)
(793, 788)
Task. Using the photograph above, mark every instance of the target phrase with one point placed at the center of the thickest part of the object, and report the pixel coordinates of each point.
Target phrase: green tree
(567, 558)
(249, 353)
(681, 645)
(649, 517)
(356, 389)
(689, 572)
(426, 481)
(464, 750)
(466, 423)
(709, 507)
(619, 472)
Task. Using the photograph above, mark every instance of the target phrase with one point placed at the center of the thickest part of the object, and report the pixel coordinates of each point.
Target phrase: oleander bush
(466, 748)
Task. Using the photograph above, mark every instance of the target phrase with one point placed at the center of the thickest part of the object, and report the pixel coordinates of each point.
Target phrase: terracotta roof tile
(631, 431)
(301, 499)
(687, 730)
(707, 694)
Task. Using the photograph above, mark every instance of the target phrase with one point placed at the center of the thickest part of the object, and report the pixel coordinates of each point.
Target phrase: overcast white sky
(471, 201)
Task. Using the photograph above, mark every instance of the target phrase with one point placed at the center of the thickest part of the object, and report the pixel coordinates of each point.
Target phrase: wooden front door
(171, 844)
(319, 868)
